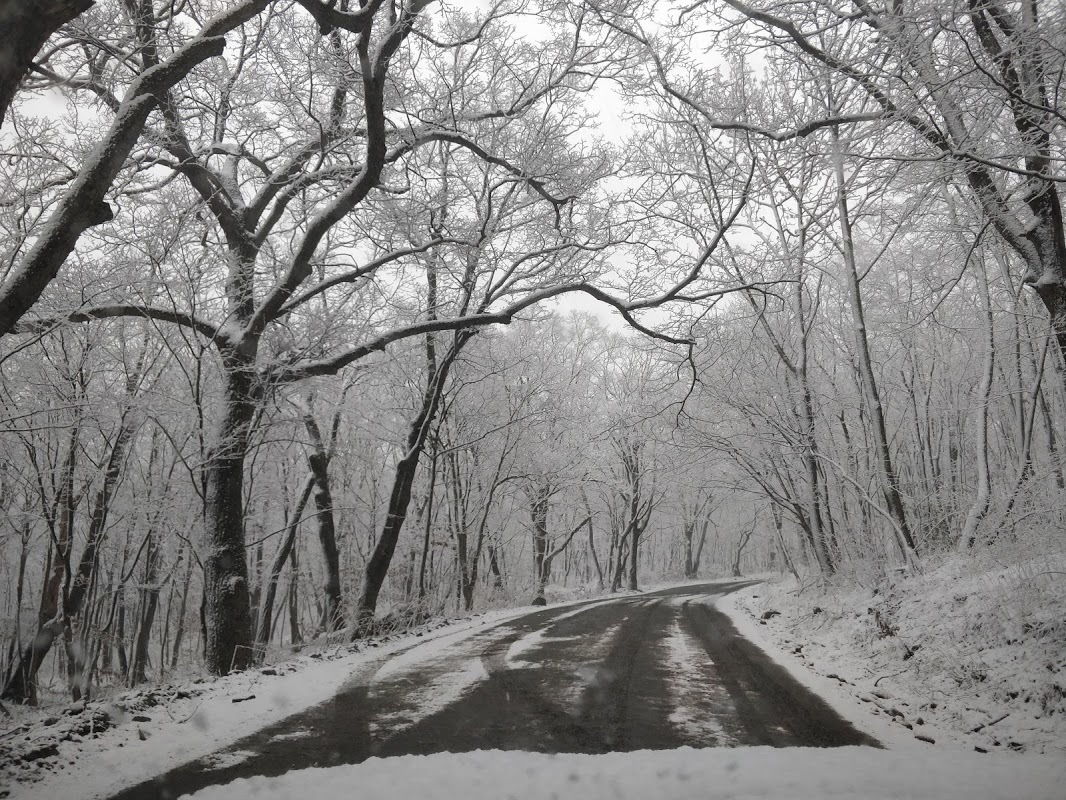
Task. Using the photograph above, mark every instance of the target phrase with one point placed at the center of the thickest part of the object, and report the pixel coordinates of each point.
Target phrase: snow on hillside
(977, 656)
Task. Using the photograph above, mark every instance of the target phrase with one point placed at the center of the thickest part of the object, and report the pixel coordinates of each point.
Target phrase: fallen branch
(984, 725)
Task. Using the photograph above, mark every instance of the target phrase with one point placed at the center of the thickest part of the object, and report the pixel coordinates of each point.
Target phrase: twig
(892, 675)
(191, 714)
(984, 725)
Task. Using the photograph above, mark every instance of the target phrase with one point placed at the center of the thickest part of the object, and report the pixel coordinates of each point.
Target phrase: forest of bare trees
(323, 319)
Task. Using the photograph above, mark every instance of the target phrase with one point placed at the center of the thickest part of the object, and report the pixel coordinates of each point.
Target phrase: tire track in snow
(703, 712)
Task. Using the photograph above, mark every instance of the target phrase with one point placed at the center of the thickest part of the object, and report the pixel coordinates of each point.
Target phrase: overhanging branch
(44, 324)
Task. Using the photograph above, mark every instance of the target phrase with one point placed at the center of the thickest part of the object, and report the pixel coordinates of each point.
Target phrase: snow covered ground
(972, 656)
(745, 773)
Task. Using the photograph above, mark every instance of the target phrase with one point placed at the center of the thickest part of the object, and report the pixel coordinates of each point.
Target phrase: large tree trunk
(687, 530)
(378, 565)
(227, 612)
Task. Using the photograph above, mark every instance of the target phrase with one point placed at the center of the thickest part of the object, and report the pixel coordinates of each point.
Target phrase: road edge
(843, 699)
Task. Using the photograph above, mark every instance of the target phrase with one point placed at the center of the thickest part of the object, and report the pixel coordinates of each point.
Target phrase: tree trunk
(294, 600)
(979, 507)
(592, 554)
(227, 612)
(494, 568)
(694, 554)
(538, 512)
(183, 606)
(143, 636)
(429, 522)
(277, 564)
(634, 549)
(15, 644)
(745, 537)
(318, 461)
(886, 474)
(377, 566)
(621, 556)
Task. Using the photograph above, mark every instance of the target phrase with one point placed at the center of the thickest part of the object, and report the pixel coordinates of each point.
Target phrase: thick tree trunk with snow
(227, 613)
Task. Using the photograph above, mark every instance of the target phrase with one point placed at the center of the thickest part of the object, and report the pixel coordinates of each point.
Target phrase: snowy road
(659, 670)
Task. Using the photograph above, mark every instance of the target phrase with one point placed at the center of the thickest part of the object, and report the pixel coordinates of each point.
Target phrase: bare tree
(972, 82)
(82, 204)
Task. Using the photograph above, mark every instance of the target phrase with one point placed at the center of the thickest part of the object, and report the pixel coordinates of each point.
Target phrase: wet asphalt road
(658, 670)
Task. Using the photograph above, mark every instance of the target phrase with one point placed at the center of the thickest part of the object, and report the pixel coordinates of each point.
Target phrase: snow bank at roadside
(746, 773)
(976, 657)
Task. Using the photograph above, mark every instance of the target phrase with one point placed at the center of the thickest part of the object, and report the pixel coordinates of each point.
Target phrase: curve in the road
(653, 671)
